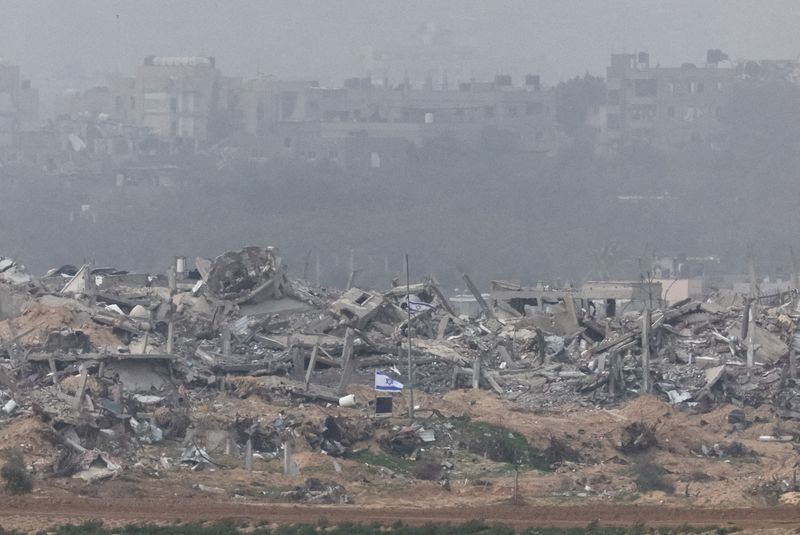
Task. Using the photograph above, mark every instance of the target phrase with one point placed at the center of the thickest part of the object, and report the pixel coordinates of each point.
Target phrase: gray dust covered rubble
(232, 367)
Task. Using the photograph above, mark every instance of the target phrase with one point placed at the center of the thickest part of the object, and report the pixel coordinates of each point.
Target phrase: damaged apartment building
(367, 125)
(180, 96)
(19, 109)
(233, 375)
(678, 107)
(181, 106)
(417, 90)
(168, 106)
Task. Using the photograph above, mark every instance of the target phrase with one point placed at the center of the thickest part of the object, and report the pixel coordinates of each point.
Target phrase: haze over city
(337, 267)
(558, 39)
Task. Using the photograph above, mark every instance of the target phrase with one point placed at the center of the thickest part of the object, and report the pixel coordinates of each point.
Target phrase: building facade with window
(175, 96)
(19, 106)
(316, 122)
(667, 107)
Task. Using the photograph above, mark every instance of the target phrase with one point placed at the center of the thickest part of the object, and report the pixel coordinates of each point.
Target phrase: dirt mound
(71, 384)
(42, 317)
(30, 436)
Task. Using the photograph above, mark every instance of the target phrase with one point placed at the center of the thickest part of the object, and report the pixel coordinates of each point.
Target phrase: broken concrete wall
(11, 302)
(358, 306)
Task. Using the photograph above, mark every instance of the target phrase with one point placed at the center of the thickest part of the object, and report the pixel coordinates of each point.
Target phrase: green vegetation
(15, 474)
(500, 445)
(395, 463)
(428, 470)
(468, 439)
(470, 528)
(651, 476)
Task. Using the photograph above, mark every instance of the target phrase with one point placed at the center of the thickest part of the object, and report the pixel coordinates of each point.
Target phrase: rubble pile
(113, 363)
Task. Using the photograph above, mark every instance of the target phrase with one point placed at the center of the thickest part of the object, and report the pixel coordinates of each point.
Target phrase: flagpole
(408, 332)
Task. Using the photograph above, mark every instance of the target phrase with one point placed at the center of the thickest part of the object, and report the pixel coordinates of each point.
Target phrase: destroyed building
(231, 363)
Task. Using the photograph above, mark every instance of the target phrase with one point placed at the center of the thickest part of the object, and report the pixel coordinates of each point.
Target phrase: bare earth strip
(29, 514)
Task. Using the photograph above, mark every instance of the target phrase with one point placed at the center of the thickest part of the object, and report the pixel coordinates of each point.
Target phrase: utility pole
(408, 332)
(306, 265)
(751, 345)
(793, 345)
(352, 279)
(172, 284)
(751, 320)
(646, 349)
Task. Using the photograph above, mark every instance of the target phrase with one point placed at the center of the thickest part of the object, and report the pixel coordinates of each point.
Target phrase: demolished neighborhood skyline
(233, 379)
(183, 106)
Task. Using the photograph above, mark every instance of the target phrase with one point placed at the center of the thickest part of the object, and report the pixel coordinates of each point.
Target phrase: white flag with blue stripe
(384, 383)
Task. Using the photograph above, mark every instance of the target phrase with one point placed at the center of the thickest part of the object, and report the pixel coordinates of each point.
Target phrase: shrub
(651, 476)
(15, 474)
(428, 470)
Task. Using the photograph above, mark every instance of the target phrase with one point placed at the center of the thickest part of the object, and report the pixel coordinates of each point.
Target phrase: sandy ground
(32, 514)
(599, 487)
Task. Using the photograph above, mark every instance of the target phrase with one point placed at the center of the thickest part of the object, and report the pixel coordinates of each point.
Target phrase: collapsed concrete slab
(358, 307)
(253, 274)
(13, 273)
(12, 302)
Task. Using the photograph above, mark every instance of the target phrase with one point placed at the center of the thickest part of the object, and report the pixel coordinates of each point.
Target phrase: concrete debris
(636, 437)
(9, 407)
(195, 457)
(13, 273)
(93, 466)
(250, 275)
(427, 435)
(773, 438)
(358, 307)
(676, 396)
(316, 491)
(146, 432)
(209, 489)
(114, 361)
(737, 417)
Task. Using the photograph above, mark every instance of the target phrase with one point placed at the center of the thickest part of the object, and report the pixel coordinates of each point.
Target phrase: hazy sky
(325, 38)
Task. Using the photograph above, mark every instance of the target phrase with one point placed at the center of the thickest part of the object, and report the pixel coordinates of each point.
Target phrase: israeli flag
(384, 383)
(417, 305)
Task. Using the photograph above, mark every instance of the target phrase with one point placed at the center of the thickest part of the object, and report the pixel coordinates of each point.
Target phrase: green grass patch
(499, 444)
(395, 463)
(468, 441)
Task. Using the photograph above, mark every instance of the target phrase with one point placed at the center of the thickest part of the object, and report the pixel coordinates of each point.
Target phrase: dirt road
(33, 513)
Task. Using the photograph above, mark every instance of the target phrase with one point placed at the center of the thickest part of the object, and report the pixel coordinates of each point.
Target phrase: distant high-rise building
(426, 59)
(176, 96)
(19, 105)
